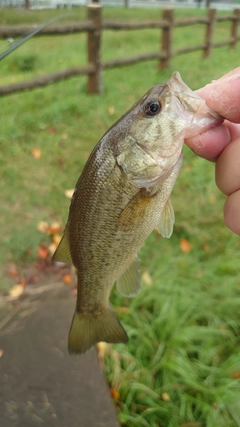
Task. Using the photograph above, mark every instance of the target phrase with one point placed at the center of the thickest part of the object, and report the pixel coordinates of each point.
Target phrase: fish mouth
(204, 110)
(204, 120)
(191, 108)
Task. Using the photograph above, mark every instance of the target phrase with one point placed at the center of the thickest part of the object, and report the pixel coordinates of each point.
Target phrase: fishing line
(25, 38)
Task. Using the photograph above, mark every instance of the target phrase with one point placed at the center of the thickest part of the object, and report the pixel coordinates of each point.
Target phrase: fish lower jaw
(199, 126)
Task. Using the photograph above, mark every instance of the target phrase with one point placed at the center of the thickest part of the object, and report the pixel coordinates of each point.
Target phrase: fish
(123, 193)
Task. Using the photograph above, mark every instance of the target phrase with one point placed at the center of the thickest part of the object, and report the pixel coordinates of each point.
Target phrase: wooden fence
(94, 25)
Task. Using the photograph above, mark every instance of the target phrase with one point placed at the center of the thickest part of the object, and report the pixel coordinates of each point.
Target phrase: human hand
(222, 144)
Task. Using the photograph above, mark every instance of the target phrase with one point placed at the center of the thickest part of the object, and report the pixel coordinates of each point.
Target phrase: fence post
(166, 48)
(94, 84)
(209, 33)
(234, 29)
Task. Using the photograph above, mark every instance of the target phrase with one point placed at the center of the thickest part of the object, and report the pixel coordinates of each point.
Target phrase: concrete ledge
(40, 384)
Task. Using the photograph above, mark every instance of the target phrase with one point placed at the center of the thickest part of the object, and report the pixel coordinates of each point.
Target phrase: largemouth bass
(122, 194)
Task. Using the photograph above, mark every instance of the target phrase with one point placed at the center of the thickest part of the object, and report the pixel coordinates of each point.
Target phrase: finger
(211, 143)
(232, 212)
(223, 95)
(234, 129)
(227, 168)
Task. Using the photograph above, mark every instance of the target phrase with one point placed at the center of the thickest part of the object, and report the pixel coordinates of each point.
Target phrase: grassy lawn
(181, 366)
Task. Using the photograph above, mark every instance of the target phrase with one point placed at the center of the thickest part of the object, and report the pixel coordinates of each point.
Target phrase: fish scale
(122, 194)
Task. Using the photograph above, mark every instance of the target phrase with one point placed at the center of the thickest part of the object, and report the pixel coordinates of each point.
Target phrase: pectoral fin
(166, 221)
(62, 252)
(135, 211)
(129, 283)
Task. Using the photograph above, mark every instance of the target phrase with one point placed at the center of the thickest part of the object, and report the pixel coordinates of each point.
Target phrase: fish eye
(153, 108)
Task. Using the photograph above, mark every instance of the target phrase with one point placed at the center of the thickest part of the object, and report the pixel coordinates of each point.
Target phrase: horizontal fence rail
(94, 26)
(22, 30)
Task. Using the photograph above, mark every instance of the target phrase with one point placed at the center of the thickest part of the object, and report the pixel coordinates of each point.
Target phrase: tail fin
(87, 331)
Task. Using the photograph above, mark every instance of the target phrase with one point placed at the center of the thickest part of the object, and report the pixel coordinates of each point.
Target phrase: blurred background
(182, 364)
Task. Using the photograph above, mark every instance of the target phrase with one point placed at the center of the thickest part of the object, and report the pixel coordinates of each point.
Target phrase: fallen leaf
(1, 352)
(165, 397)
(52, 248)
(101, 350)
(122, 309)
(69, 193)
(16, 291)
(54, 228)
(111, 110)
(147, 278)
(43, 251)
(36, 153)
(213, 199)
(13, 272)
(43, 227)
(115, 394)
(51, 130)
(187, 168)
(236, 376)
(23, 282)
(185, 245)
(56, 239)
(67, 278)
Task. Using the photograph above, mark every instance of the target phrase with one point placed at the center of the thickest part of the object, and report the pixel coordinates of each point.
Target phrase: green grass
(184, 326)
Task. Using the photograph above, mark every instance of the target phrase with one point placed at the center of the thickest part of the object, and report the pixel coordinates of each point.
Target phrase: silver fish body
(122, 194)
